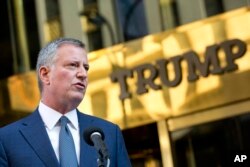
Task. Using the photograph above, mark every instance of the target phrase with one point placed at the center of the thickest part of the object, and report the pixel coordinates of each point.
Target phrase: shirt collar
(51, 117)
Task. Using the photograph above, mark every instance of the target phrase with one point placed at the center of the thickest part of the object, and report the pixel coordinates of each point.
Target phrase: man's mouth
(80, 85)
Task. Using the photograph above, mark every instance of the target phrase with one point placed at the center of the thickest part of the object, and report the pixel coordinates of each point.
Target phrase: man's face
(68, 75)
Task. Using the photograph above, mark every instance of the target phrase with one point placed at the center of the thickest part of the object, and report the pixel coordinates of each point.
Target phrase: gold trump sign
(233, 49)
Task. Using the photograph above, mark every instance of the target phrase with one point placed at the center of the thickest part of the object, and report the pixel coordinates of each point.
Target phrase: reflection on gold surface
(24, 92)
(188, 96)
(52, 29)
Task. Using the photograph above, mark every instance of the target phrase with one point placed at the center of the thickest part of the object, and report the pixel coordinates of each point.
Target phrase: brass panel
(24, 92)
(209, 115)
(52, 29)
(168, 102)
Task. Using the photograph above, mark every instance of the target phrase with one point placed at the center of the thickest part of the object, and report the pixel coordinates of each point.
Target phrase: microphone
(94, 136)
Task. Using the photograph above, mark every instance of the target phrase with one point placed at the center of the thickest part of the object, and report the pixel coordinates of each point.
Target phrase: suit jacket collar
(87, 156)
(33, 130)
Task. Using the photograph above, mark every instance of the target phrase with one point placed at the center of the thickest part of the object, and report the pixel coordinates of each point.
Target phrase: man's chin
(77, 97)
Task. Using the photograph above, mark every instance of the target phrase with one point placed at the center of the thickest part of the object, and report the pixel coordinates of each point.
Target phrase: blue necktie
(67, 151)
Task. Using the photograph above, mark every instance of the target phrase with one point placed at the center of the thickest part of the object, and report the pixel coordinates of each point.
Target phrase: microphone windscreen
(89, 131)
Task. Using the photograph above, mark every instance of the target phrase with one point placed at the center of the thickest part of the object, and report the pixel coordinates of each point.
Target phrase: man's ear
(44, 75)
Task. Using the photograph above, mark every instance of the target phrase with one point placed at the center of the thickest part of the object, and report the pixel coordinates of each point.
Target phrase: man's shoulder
(95, 120)
(14, 126)
(9, 129)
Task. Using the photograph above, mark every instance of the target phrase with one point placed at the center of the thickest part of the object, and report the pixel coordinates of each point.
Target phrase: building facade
(177, 85)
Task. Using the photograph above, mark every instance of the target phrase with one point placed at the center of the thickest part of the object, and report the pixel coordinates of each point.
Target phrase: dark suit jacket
(25, 143)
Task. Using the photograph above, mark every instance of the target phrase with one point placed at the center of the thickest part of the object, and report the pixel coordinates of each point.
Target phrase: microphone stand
(94, 137)
(101, 160)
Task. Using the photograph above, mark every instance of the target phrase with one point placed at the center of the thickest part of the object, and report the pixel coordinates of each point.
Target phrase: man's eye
(73, 65)
(86, 68)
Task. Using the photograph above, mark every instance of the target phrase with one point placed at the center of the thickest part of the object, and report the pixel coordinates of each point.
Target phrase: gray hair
(47, 54)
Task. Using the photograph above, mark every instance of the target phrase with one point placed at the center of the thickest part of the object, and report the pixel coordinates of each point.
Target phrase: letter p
(243, 157)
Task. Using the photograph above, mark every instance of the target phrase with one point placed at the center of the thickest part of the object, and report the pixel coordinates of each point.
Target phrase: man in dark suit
(35, 141)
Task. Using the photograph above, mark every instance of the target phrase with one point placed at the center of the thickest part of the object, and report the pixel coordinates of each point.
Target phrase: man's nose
(82, 72)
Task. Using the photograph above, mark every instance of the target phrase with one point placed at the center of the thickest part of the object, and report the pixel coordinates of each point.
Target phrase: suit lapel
(35, 134)
(87, 153)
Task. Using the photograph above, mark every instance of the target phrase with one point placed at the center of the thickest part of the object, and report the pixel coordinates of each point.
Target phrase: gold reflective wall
(102, 97)
(20, 93)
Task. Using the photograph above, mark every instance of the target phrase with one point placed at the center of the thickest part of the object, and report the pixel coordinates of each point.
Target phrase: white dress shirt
(51, 118)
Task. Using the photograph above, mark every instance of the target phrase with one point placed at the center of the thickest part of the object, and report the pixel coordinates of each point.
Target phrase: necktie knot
(64, 120)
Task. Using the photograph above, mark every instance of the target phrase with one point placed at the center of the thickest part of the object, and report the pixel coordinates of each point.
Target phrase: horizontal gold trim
(205, 116)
